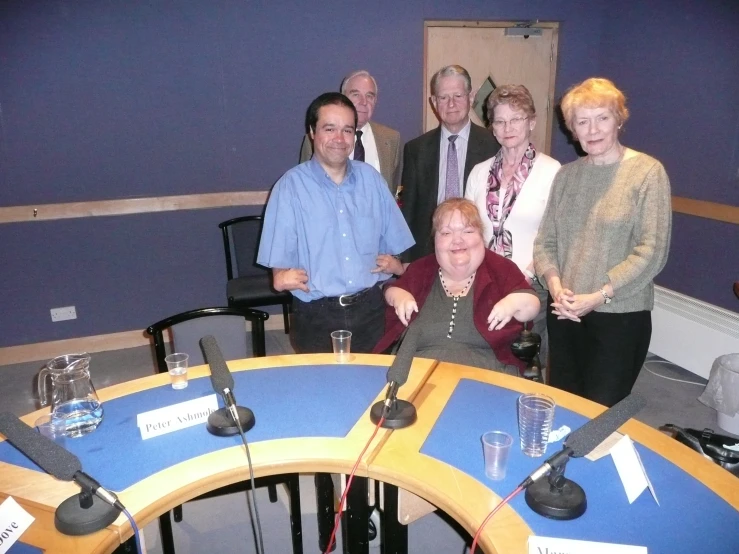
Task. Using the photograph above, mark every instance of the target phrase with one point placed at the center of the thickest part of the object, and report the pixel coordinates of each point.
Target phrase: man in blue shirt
(331, 233)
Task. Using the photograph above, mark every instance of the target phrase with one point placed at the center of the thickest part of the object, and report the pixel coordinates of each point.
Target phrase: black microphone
(559, 497)
(78, 515)
(398, 413)
(225, 421)
(584, 440)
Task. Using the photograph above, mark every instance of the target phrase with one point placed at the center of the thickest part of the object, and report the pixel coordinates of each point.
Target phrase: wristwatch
(531, 276)
(606, 299)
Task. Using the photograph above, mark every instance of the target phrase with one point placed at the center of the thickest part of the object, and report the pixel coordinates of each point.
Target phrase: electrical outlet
(63, 314)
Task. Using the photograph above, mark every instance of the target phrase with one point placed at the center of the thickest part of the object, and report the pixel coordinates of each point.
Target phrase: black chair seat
(255, 290)
(249, 285)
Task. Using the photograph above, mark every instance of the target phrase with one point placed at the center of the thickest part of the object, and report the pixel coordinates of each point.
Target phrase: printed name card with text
(549, 545)
(14, 521)
(175, 417)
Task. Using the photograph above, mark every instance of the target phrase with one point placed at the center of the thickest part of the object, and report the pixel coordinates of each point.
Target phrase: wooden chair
(228, 326)
(249, 285)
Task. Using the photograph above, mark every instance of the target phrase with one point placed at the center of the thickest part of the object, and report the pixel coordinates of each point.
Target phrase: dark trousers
(600, 357)
(311, 330)
(314, 321)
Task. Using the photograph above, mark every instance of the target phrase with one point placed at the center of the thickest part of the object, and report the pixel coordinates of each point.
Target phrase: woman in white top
(511, 189)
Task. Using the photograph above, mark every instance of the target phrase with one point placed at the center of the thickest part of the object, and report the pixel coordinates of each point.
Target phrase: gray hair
(359, 73)
(449, 71)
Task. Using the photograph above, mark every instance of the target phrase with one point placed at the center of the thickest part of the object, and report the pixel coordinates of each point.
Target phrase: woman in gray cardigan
(604, 236)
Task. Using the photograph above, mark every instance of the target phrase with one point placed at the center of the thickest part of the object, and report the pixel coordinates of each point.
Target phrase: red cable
(502, 503)
(349, 484)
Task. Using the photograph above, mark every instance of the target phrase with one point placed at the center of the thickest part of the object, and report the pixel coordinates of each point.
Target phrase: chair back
(227, 325)
(241, 244)
(228, 330)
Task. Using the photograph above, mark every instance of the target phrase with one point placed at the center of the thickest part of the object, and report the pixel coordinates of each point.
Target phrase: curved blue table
(312, 415)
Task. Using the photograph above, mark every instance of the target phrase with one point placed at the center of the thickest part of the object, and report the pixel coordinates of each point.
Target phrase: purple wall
(678, 63)
(106, 99)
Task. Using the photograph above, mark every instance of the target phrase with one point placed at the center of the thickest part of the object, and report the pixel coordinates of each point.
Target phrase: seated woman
(468, 301)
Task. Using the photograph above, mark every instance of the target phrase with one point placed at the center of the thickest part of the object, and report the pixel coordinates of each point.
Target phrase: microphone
(559, 497)
(80, 514)
(398, 413)
(233, 418)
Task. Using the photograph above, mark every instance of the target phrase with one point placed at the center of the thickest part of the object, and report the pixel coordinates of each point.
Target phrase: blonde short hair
(467, 209)
(595, 92)
(517, 97)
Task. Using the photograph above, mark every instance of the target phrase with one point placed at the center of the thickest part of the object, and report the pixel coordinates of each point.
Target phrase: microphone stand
(398, 413)
(85, 512)
(225, 422)
(556, 497)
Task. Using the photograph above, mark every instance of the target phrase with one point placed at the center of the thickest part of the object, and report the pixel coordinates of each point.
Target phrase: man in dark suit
(436, 164)
(380, 145)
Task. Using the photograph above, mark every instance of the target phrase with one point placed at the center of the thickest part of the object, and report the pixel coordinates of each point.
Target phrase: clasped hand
(568, 305)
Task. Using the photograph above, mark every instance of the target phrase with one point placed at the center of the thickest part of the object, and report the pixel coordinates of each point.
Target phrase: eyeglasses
(456, 98)
(515, 123)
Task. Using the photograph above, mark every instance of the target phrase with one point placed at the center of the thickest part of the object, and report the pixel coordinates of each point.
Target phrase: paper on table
(539, 544)
(631, 469)
(14, 521)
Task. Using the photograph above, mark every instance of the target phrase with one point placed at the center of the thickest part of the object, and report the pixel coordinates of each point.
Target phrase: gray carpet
(223, 521)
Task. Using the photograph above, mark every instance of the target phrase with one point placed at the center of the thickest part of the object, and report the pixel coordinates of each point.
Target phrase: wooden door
(486, 49)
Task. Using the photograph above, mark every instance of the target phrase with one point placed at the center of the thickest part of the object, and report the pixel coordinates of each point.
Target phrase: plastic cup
(495, 447)
(535, 417)
(53, 427)
(177, 368)
(342, 343)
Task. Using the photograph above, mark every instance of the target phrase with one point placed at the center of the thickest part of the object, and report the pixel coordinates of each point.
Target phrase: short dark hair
(327, 99)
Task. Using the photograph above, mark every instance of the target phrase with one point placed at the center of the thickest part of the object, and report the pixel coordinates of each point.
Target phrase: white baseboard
(691, 333)
(97, 343)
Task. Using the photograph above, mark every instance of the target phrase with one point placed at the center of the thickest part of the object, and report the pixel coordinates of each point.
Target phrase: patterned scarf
(502, 241)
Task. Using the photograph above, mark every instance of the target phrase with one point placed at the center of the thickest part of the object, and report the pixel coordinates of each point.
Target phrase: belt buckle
(341, 300)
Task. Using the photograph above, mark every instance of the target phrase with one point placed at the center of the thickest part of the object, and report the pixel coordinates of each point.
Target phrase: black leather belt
(348, 299)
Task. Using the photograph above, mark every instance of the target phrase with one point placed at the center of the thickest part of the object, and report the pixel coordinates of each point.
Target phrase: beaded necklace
(455, 299)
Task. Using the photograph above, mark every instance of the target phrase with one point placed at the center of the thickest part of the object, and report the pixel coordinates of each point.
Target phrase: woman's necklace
(455, 298)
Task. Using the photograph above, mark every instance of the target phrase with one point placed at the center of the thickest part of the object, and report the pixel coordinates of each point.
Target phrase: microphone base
(402, 414)
(221, 424)
(71, 519)
(566, 503)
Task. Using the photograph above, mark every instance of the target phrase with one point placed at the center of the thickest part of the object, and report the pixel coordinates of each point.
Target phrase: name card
(14, 521)
(175, 417)
(631, 470)
(548, 545)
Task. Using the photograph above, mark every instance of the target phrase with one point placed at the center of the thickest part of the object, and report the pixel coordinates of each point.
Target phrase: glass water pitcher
(73, 396)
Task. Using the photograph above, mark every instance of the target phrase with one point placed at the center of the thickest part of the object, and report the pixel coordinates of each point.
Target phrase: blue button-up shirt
(333, 232)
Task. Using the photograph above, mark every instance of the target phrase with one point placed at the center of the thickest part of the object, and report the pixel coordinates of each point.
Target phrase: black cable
(253, 491)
